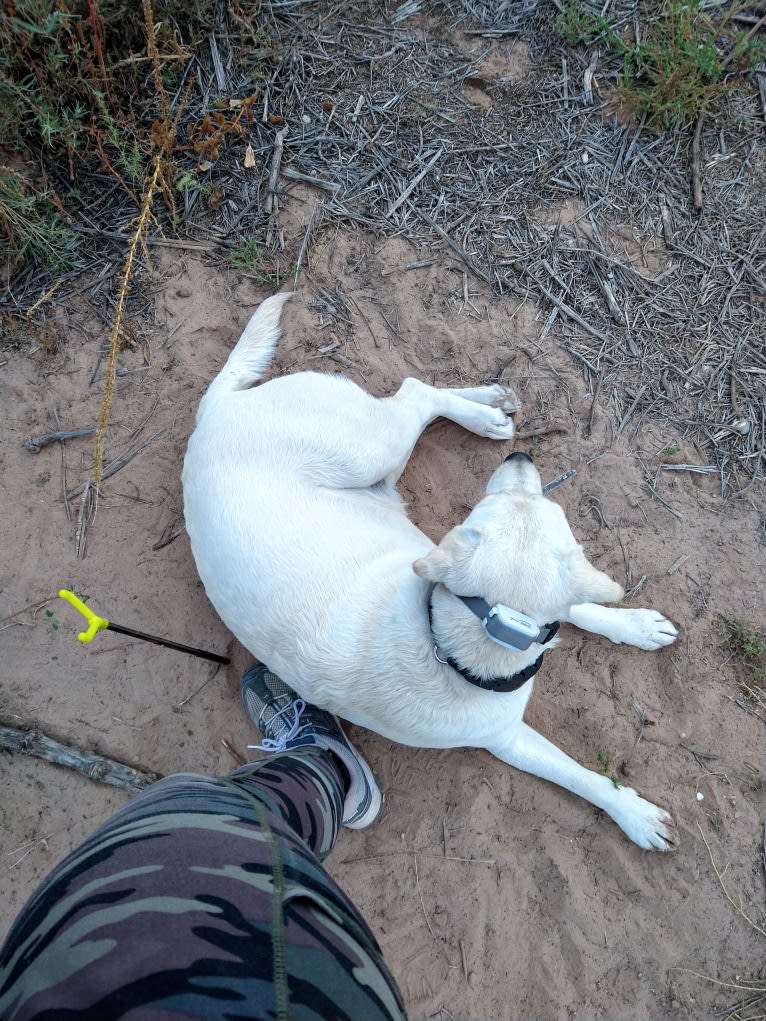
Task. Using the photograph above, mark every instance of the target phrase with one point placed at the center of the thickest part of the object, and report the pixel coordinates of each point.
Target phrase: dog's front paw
(646, 629)
(647, 825)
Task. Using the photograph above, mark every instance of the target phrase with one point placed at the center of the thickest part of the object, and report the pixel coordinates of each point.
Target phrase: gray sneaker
(289, 723)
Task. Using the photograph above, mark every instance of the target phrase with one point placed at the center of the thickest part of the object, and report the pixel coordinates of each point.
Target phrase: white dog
(306, 552)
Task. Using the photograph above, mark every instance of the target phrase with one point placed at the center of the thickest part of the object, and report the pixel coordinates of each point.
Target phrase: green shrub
(32, 228)
(685, 62)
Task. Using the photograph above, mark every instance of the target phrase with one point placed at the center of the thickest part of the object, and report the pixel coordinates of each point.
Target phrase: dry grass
(663, 307)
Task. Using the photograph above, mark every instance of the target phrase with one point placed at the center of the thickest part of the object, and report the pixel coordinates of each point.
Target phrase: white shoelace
(294, 727)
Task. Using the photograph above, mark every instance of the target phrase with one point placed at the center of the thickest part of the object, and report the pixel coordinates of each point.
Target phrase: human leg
(203, 899)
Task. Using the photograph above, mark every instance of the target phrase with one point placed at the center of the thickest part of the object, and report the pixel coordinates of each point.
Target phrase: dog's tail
(255, 348)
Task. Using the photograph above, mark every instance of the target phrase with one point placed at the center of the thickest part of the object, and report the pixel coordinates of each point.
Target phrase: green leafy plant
(578, 26)
(606, 766)
(190, 180)
(74, 105)
(683, 64)
(254, 259)
(31, 226)
(748, 644)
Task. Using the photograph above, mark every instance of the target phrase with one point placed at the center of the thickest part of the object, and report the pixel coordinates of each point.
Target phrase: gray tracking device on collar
(507, 627)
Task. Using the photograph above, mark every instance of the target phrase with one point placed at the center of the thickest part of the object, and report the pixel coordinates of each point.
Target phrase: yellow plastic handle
(95, 623)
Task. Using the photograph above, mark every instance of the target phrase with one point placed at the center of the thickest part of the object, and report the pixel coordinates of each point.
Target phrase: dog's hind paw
(505, 399)
(484, 410)
(647, 825)
(499, 426)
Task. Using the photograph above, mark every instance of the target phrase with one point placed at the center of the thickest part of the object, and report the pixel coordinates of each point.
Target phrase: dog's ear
(432, 567)
(456, 547)
(591, 585)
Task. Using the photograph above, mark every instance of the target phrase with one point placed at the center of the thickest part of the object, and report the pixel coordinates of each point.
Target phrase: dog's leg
(482, 410)
(375, 437)
(646, 629)
(369, 440)
(494, 396)
(647, 825)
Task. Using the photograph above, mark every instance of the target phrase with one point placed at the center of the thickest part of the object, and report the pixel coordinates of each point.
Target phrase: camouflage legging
(203, 898)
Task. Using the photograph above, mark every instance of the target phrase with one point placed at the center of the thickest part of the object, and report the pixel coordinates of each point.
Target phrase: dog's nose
(519, 453)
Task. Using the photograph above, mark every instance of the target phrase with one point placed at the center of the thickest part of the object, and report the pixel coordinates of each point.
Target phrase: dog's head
(516, 548)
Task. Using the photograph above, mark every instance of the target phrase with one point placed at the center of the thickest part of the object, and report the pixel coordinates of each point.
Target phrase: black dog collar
(512, 683)
(503, 684)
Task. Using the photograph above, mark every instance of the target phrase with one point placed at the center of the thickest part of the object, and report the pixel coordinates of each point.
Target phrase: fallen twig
(587, 79)
(735, 904)
(455, 247)
(170, 532)
(317, 182)
(95, 767)
(84, 516)
(420, 895)
(271, 205)
(421, 854)
(543, 430)
(562, 306)
(696, 175)
(626, 417)
(665, 504)
(119, 462)
(36, 443)
(314, 219)
(67, 509)
(237, 756)
(415, 182)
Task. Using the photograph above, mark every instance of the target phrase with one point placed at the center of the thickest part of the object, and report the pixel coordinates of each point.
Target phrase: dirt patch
(495, 61)
(492, 893)
(646, 253)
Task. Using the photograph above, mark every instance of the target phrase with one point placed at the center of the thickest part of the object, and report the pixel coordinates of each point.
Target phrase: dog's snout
(518, 453)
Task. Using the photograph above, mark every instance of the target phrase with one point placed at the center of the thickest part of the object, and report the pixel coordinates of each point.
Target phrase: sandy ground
(494, 895)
